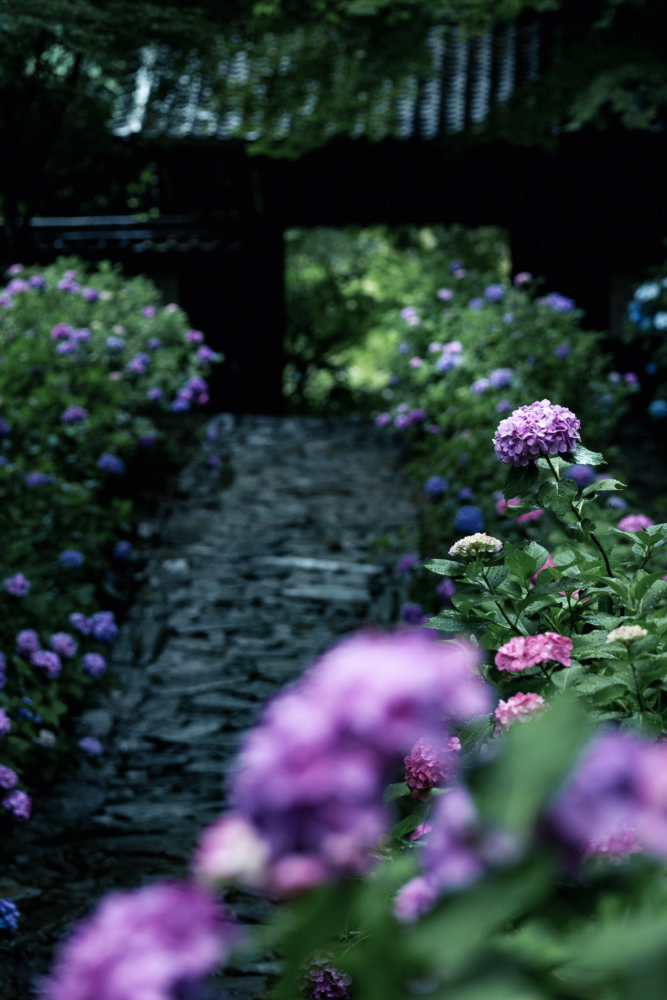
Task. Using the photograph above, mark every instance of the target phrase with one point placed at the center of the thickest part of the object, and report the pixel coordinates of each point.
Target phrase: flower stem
(642, 707)
(514, 626)
(580, 519)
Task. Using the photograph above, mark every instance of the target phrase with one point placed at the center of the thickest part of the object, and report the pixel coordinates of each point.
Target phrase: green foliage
(79, 505)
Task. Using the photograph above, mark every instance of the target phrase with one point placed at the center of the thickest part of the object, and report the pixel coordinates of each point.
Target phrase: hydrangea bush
(474, 809)
(94, 371)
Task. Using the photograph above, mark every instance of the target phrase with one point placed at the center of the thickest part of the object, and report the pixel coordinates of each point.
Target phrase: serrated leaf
(582, 456)
(497, 575)
(607, 622)
(608, 485)
(656, 593)
(580, 530)
(566, 679)
(521, 564)
(520, 481)
(393, 792)
(448, 621)
(557, 496)
(642, 585)
(445, 567)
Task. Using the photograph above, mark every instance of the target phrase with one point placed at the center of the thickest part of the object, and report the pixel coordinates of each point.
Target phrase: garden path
(258, 565)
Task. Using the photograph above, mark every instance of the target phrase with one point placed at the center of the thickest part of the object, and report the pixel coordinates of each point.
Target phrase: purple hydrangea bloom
(324, 980)
(5, 723)
(9, 915)
(19, 805)
(311, 775)
(635, 522)
(35, 479)
(469, 520)
(94, 664)
(27, 642)
(446, 590)
(562, 351)
(83, 333)
(500, 378)
(197, 384)
(205, 354)
(154, 343)
(522, 277)
(91, 746)
(36, 281)
(445, 294)
(71, 557)
(123, 550)
(403, 347)
(74, 415)
(148, 312)
(194, 336)
(157, 942)
(66, 347)
(412, 614)
(111, 463)
(4, 428)
(480, 385)
(103, 626)
(155, 393)
(179, 405)
(558, 302)
(81, 623)
(147, 440)
(61, 331)
(3, 670)
(63, 644)
(406, 563)
(67, 284)
(582, 475)
(618, 503)
(382, 419)
(90, 294)
(435, 486)
(115, 343)
(14, 269)
(16, 286)
(542, 428)
(415, 898)
(465, 495)
(417, 415)
(8, 778)
(48, 661)
(17, 585)
(476, 303)
(631, 378)
(139, 363)
(494, 293)
(508, 318)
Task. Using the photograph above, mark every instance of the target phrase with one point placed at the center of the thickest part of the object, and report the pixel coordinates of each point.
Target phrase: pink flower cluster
(635, 522)
(542, 428)
(519, 708)
(427, 764)
(531, 515)
(616, 801)
(310, 777)
(157, 942)
(523, 652)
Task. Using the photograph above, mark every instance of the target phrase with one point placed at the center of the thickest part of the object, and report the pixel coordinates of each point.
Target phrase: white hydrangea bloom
(476, 545)
(626, 633)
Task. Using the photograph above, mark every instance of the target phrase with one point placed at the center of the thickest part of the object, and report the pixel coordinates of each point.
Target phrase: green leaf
(608, 485)
(496, 575)
(654, 595)
(525, 507)
(607, 622)
(409, 823)
(520, 481)
(642, 585)
(538, 552)
(566, 679)
(557, 496)
(448, 621)
(445, 567)
(585, 643)
(521, 564)
(580, 530)
(582, 456)
(534, 760)
(557, 463)
(393, 792)
(602, 690)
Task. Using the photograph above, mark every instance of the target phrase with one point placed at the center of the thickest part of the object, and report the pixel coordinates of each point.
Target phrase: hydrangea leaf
(448, 621)
(580, 530)
(557, 496)
(409, 823)
(521, 565)
(496, 575)
(393, 792)
(601, 690)
(582, 456)
(566, 679)
(642, 584)
(609, 485)
(656, 593)
(444, 567)
(520, 480)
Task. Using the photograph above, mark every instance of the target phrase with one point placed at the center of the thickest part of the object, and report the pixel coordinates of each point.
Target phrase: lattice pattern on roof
(468, 76)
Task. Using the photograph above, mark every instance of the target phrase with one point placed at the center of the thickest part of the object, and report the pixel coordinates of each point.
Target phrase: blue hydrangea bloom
(71, 557)
(658, 409)
(469, 520)
(111, 463)
(465, 495)
(9, 915)
(435, 486)
(582, 475)
(660, 321)
(115, 343)
(500, 378)
(412, 614)
(123, 550)
(634, 312)
(651, 368)
(494, 293)
(648, 291)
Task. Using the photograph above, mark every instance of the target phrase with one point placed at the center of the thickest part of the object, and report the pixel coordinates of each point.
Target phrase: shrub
(520, 848)
(93, 372)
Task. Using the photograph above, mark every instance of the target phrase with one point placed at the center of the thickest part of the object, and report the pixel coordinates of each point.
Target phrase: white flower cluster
(626, 633)
(473, 546)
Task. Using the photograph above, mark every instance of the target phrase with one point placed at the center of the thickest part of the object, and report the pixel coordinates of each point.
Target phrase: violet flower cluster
(19, 805)
(542, 428)
(17, 585)
(310, 778)
(157, 942)
(427, 764)
(102, 626)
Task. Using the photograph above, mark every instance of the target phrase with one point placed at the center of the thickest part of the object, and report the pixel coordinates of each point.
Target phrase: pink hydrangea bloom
(155, 943)
(531, 515)
(311, 775)
(427, 764)
(542, 428)
(635, 522)
(519, 708)
(415, 898)
(547, 564)
(523, 652)
(230, 850)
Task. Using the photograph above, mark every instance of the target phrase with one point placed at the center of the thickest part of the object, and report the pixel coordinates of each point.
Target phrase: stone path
(258, 566)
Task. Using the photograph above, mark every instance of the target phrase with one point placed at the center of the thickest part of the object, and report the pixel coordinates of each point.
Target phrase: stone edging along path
(246, 584)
